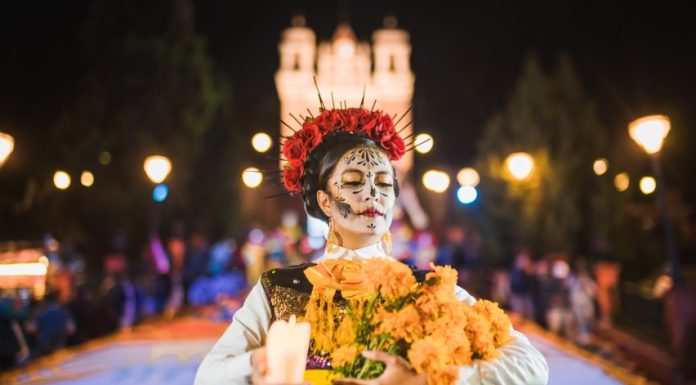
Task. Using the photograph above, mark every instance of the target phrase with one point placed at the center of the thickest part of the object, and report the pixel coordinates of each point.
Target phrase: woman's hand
(397, 372)
(259, 368)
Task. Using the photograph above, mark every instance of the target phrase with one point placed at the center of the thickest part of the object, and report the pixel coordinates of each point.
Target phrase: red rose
(394, 147)
(329, 120)
(310, 135)
(292, 175)
(349, 121)
(294, 148)
(382, 129)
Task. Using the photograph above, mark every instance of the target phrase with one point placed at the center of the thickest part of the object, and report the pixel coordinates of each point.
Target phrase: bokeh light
(87, 178)
(261, 142)
(622, 181)
(520, 165)
(252, 177)
(157, 167)
(600, 166)
(160, 192)
(61, 180)
(435, 180)
(467, 194)
(647, 185)
(424, 143)
(468, 177)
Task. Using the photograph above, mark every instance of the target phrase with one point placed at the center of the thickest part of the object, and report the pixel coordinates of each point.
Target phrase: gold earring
(387, 242)
(334, 238)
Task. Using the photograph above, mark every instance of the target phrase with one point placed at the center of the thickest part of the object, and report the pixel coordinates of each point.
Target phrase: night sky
(633, 59)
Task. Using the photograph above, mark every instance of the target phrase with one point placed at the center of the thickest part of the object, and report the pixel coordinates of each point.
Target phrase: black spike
(265, 171)
(402, 116)
(292, 194)
(288, 126)
(404, 127)
(373, 105)
(321, 102)
(298, 122)
(310, 113)
(362, 101)
(333, 105)
(408, 136)
(409, 149)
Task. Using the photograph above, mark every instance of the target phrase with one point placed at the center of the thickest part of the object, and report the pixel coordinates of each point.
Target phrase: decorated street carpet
(169, 351)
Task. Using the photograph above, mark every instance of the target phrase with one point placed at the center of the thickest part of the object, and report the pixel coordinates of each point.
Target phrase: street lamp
(650, 132)
(520, 165)
(6, 147)
(157, 167)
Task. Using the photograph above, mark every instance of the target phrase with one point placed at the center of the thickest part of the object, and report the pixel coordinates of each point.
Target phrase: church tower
(344, 67)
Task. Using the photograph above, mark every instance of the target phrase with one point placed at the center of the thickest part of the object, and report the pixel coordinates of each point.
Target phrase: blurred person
(197, 258)
(221, 254)
(558, 315)
(51, 324)
(14, 348)
(521, 278)
(582, 292)
(254, 255)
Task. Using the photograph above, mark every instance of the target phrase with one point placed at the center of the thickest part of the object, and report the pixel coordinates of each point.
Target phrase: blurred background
(550, 162)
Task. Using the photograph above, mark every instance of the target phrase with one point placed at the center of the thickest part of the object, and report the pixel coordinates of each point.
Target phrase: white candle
(287, 347)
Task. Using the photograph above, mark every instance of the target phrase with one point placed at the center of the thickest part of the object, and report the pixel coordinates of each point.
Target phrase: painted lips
(371, 213)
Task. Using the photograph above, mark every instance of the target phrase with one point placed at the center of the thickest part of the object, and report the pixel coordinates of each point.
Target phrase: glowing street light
(87, 178)
(435, 180)
(650, 132)
(61, 180)
(6, 147)
(647, 185)
(252, 177)
(424, 143)
(157, 167)
(468, 177)
(600, 166)
(520, 165)
(261, 142)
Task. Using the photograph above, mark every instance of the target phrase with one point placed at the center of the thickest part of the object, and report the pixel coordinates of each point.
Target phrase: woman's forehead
(365, 157)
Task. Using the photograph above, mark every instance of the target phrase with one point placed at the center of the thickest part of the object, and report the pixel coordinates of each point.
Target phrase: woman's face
(361, 193)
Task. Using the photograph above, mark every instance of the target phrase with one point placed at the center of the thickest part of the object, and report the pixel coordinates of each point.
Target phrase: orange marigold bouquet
(388, 310)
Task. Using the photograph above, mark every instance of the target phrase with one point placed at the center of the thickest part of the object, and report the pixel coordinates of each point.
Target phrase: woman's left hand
(397, 372)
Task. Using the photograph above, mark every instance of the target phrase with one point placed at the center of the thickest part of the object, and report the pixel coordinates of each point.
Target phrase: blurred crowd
(191, 271)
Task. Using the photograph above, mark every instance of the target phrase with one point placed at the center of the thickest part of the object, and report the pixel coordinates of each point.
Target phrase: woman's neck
(354, 241)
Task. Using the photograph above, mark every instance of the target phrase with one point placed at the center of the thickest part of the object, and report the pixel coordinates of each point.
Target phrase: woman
(340, 162)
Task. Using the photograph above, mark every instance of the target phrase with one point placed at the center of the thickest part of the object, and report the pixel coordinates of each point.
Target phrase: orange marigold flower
(500, 322)
(426, 355)
(444, 279)
(478, 330)
(344, 355)
(393, 278)
(447, 376)
(405, 324)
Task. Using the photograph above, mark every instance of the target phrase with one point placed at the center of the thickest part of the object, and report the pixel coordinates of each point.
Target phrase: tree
(148, 87)
(563, 206)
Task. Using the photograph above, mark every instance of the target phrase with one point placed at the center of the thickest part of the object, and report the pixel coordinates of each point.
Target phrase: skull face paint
(362, 193)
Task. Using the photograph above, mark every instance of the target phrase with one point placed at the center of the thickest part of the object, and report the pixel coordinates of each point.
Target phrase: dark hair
(321, 163)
